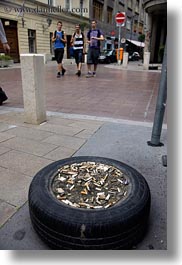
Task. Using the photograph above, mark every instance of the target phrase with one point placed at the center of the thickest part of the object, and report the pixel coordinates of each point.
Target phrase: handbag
(3, 96)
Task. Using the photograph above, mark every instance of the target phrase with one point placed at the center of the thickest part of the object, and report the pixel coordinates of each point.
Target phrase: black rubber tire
(64, 227)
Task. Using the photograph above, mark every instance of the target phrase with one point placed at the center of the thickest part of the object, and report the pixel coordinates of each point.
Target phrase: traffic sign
(120, 17)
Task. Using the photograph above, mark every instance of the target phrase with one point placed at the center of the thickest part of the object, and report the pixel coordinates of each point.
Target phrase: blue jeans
(78, 54)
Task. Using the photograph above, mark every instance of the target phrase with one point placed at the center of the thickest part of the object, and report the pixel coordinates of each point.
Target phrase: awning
(137, 43)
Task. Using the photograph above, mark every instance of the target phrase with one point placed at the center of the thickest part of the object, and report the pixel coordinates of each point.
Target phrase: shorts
(59, 53)
(78, 54)
(93, 56)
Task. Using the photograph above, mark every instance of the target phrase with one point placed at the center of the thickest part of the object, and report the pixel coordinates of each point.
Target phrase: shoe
(89, 74)
(94, 74)
(79, 73)
(58, 75)
(63, 71)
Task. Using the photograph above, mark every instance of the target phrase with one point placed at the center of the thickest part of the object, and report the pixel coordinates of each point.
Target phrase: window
(32, 41)
(130, 3)
(97, 10)
(135, 25)
(140, 29)
(137, 6)
(67, 4)
(50, 2)
(109, 15)
(128, 23)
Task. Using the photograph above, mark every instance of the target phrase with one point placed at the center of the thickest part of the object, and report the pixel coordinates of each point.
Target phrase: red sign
(120, 17)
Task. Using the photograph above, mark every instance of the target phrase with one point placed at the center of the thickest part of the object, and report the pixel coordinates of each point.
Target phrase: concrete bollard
(125, 60)
(146, 60)
(32, 70)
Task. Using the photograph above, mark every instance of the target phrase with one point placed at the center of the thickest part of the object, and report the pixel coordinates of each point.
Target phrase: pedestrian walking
(59, 39)
(78, 43)
(94, 37)
(6, 48)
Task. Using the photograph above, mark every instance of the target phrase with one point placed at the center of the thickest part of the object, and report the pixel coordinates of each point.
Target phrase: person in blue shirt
(59, 40)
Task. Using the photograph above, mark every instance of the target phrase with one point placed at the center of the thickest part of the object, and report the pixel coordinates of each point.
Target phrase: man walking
(59, 40)
(94, 37)
(6, 48)
(78, 43)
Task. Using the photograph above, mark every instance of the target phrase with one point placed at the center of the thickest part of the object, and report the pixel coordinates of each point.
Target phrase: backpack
(98, 35)
(62, 36)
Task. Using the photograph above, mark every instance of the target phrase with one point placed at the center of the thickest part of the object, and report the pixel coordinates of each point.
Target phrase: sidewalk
(25, 149)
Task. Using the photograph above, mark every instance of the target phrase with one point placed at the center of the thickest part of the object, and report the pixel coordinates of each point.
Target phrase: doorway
(10, 27)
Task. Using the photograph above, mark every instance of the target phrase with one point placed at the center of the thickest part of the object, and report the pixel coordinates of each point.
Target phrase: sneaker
(94, 74)
(89, 74)
(63, 71)
(58, 75)
(79, 73)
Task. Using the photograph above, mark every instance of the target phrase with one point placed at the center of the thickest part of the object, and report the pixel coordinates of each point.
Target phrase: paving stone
(60, 153)
(13, 118)
(66, 141)
(6, 211)
(87, 124)
(4, 137)
(4, 150)
(29, 146)
(4, 126)
(21, 162)
(59, 121)
(14, 186)
(29, 133)
(85, 134)
(60, 129)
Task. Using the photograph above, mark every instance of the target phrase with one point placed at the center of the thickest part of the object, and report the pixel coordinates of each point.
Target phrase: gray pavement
(25, 149)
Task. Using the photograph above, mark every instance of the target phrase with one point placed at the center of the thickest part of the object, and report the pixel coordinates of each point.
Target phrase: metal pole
(119, 42)
(161, 102)
(131, 29)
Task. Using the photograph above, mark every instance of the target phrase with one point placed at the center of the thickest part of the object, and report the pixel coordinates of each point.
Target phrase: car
(108, 57)
(135, 56)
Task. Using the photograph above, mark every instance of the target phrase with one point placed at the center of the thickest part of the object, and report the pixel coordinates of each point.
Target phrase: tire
(64, 227)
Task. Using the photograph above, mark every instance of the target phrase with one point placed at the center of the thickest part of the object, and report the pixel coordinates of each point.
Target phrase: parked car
(108, 57)
(135, 56)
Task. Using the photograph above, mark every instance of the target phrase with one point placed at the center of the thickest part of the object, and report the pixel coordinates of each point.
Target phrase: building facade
(29, 25)
(156, 28)
(104, 11)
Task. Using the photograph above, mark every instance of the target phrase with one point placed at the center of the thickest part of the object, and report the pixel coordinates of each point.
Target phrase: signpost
(120, 21)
